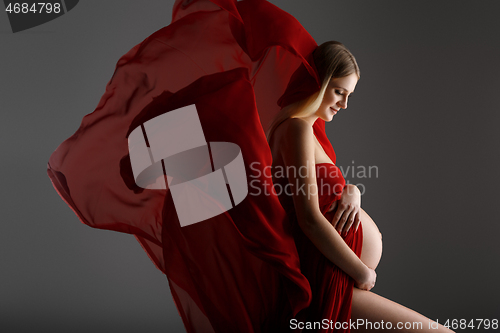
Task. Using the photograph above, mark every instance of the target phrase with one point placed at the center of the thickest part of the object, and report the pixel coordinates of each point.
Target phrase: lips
(333, 110)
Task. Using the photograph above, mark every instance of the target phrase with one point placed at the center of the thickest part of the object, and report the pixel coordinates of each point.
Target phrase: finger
(345, 218)
(338, 214)
(357, 222)
(346, 226)
(354, 221)
(350, 221)
(341, 222)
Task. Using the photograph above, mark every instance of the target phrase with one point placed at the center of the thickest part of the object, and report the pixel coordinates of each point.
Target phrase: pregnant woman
(338, 243)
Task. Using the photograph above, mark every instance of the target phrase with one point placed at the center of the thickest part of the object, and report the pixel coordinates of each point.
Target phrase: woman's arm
(297, 150)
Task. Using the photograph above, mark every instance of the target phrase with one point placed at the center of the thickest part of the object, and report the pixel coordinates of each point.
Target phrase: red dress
(238, 271)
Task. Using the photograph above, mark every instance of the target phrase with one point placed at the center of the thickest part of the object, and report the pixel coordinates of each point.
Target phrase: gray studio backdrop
(425, 114)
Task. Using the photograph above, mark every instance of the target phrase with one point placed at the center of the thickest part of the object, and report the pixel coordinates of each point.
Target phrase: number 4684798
(36, 8)
(484, 324)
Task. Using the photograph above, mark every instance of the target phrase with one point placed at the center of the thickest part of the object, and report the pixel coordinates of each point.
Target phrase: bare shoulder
(295, 141)
(293, 130)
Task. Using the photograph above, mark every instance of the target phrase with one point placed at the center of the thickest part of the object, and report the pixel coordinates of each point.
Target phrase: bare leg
(372, 241)
(373, 308)
(370, 307)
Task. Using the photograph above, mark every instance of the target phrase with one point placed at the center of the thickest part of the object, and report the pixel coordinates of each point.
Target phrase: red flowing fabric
(238, 271)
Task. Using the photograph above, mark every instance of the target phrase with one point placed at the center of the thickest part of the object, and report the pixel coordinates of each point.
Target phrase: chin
(326, 115)
(328, 118)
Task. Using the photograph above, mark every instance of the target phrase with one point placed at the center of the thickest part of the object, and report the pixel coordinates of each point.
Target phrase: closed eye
(340, 93)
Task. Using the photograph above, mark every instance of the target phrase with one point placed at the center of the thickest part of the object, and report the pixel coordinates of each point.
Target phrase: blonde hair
(332, 60)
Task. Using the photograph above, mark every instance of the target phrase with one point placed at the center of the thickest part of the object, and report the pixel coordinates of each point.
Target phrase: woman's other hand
(347, 210)
(367, 280)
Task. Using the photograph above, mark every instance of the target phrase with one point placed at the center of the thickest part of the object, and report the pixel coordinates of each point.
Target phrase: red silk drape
(238, 271)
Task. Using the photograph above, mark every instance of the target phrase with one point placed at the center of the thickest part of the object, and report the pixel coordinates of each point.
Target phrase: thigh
(372, 241)
(374, 313)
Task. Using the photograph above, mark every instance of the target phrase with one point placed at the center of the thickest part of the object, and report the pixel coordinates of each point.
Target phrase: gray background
(425, 112)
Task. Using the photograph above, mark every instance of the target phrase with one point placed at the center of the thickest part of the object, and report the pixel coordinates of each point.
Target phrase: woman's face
(336, 96)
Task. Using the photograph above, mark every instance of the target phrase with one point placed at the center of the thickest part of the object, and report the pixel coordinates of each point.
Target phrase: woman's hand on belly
(347, 210)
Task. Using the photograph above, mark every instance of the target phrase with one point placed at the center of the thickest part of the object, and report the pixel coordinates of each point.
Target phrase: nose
(343, 103)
